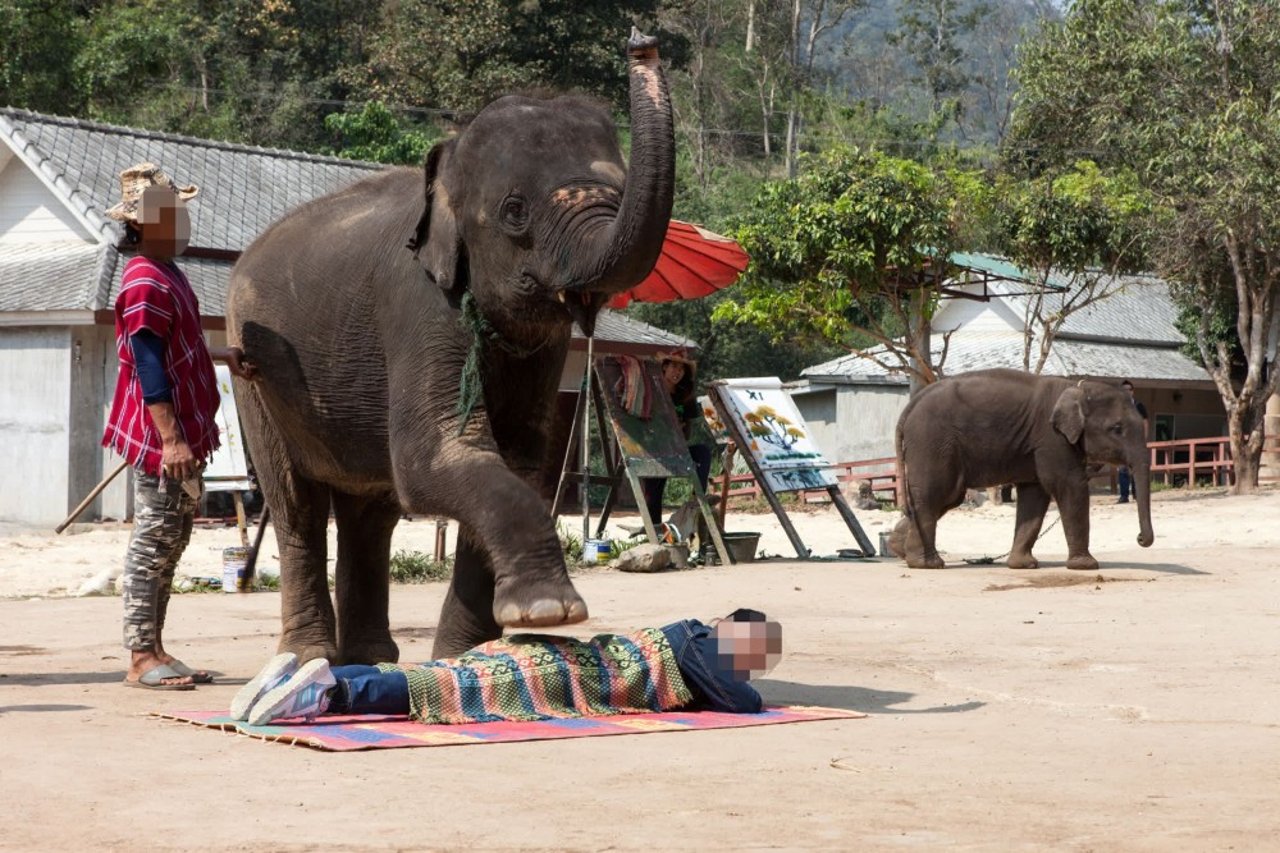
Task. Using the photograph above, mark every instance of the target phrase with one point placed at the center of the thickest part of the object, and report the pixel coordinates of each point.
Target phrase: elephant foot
(538, 605)
(1022, 561)
(931, 562)
(369, 652)
(308, 651)
(1082, 563)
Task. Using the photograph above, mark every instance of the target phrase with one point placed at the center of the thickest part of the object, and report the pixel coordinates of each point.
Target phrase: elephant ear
(1068, 414)
(435, 242)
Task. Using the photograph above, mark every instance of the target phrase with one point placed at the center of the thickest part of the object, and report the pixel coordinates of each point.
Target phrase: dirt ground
(1133, 709)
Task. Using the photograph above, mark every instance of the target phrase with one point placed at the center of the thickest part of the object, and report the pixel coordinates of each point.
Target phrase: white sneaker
(277, 671)
(304, 695)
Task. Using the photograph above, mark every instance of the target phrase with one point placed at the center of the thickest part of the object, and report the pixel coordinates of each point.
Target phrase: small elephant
(424, 379)
(990, 427)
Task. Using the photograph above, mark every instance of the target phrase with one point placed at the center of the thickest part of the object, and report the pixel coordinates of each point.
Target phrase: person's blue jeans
(654, 486)
(369, 690)
(1126, 483)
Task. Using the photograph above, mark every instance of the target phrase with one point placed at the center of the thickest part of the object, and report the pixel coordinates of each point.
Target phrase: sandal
(153, 679)
(197, 676)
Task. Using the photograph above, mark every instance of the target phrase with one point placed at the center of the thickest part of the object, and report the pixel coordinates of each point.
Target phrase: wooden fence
(1197, 460)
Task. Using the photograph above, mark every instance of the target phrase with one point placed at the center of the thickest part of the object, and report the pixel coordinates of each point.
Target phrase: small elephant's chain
(986, 561)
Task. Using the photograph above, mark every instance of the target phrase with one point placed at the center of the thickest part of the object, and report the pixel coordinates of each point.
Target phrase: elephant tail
(904, 477)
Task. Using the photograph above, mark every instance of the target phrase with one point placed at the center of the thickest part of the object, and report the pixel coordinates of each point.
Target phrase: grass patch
(419, 567)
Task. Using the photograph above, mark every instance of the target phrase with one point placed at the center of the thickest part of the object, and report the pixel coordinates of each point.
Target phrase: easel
(730, 417)
(636, 448)
(228, 469)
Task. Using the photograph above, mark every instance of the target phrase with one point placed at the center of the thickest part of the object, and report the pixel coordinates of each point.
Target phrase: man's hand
(234, 358)
(177, 461)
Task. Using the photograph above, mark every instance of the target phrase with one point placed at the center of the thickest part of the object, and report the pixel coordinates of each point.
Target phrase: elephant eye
(514, 213)
(1117, 428)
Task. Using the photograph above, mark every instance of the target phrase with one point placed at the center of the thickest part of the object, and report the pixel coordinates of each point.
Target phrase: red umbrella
(694, 263)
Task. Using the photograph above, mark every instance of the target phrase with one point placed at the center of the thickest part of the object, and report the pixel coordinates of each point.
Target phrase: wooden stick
(97, 490)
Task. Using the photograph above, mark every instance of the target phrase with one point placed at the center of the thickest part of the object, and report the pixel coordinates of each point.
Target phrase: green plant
(618, 547)
(570, 543)
(266, 583)
(418, 567)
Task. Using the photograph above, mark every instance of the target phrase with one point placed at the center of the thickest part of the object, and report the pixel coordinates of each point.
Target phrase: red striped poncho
(536, 677)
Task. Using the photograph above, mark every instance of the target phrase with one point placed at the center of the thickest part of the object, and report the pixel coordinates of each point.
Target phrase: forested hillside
(851, 145)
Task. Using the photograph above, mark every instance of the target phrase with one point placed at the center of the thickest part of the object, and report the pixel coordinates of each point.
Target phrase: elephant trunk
(1142, 492)
(628, 250)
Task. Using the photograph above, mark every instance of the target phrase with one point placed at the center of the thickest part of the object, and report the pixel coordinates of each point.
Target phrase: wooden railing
(1179, 462)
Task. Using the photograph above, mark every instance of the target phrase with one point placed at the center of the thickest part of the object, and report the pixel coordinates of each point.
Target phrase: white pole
(586, 446)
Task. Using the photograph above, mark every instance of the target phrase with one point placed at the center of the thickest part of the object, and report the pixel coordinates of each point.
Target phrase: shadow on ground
(9, 709)
(860, 699)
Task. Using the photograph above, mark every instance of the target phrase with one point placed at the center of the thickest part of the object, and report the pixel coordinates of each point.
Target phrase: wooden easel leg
(851, 521)
(650, 528)
(238, 500)
(565, 470)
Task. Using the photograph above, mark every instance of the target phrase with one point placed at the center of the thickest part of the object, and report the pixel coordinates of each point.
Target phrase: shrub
(417, 567)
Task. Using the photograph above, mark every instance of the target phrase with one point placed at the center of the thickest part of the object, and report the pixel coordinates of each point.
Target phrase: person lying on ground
(527, 677)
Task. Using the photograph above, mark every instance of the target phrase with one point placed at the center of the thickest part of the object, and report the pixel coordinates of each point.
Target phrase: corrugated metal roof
(1074, 358)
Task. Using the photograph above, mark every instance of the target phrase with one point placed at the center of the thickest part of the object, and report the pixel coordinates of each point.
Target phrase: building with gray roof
(852, 403)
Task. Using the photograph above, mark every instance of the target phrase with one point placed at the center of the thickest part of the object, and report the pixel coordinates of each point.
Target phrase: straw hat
(135, 180)
(680, 355)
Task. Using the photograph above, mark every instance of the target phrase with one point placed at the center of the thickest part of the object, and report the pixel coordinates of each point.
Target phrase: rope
(985, 561)
(470, 384)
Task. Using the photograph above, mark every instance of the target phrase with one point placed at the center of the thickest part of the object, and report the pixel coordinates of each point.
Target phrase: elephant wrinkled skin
(528, 219)
(992, 427)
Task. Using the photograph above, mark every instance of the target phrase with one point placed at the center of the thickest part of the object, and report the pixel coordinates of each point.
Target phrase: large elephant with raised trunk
(991, 427)
(423, 379)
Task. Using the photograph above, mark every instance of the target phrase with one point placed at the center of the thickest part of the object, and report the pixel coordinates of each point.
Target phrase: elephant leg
(1073, 505)
(363, 576)
(531, 586)
(466, 619)
(1033, 502)
(928, 504)
(300, 516)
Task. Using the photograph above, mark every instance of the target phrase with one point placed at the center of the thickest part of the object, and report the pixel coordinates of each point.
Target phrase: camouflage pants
(163, 514)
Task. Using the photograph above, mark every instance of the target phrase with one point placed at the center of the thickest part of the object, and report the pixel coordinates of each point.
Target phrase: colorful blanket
(633, 387)
(527, 677)
(345, 734)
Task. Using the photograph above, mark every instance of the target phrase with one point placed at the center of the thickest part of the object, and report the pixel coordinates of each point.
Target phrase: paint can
(596, 551)
(235, 577)
(884, 544)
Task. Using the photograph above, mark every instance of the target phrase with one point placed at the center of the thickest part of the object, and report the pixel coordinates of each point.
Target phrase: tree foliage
(848, 253)
(1185, 93)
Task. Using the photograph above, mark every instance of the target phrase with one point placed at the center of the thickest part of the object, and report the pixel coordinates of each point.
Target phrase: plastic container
(235, 578)
(741, 545)
(596, 551)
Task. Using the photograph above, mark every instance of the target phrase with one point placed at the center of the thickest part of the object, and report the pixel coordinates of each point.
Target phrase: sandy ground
(1007, 710)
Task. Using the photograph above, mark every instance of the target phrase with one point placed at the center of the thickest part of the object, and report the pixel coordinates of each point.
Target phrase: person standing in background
(1123, 474)
(162, 414)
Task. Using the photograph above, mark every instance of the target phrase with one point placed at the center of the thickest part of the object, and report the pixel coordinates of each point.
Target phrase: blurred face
(747, 649)
(672, 373)
(163, 222)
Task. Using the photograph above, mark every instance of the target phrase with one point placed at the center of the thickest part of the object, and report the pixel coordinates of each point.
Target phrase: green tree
(848, 254)
(36, 38)
(374, 133)
(1076, 232)
(1187, 94)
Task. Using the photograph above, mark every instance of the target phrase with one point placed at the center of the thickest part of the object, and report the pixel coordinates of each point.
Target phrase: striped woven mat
(344, 734)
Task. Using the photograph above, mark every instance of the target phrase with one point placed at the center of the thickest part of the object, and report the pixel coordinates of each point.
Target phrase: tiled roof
(1141, 309)
(242, 188)
(1068, 357)
(52, 276)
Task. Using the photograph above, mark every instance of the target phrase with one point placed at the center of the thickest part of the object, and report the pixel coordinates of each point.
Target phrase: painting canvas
(778, 437)
(228, 469)
(654, 445)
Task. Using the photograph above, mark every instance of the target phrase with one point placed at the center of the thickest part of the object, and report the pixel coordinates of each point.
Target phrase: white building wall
(30, 212)
(854, 422)
(34, 424)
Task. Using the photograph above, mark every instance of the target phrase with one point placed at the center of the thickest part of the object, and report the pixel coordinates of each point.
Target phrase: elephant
(422, 378)
(990, 427)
